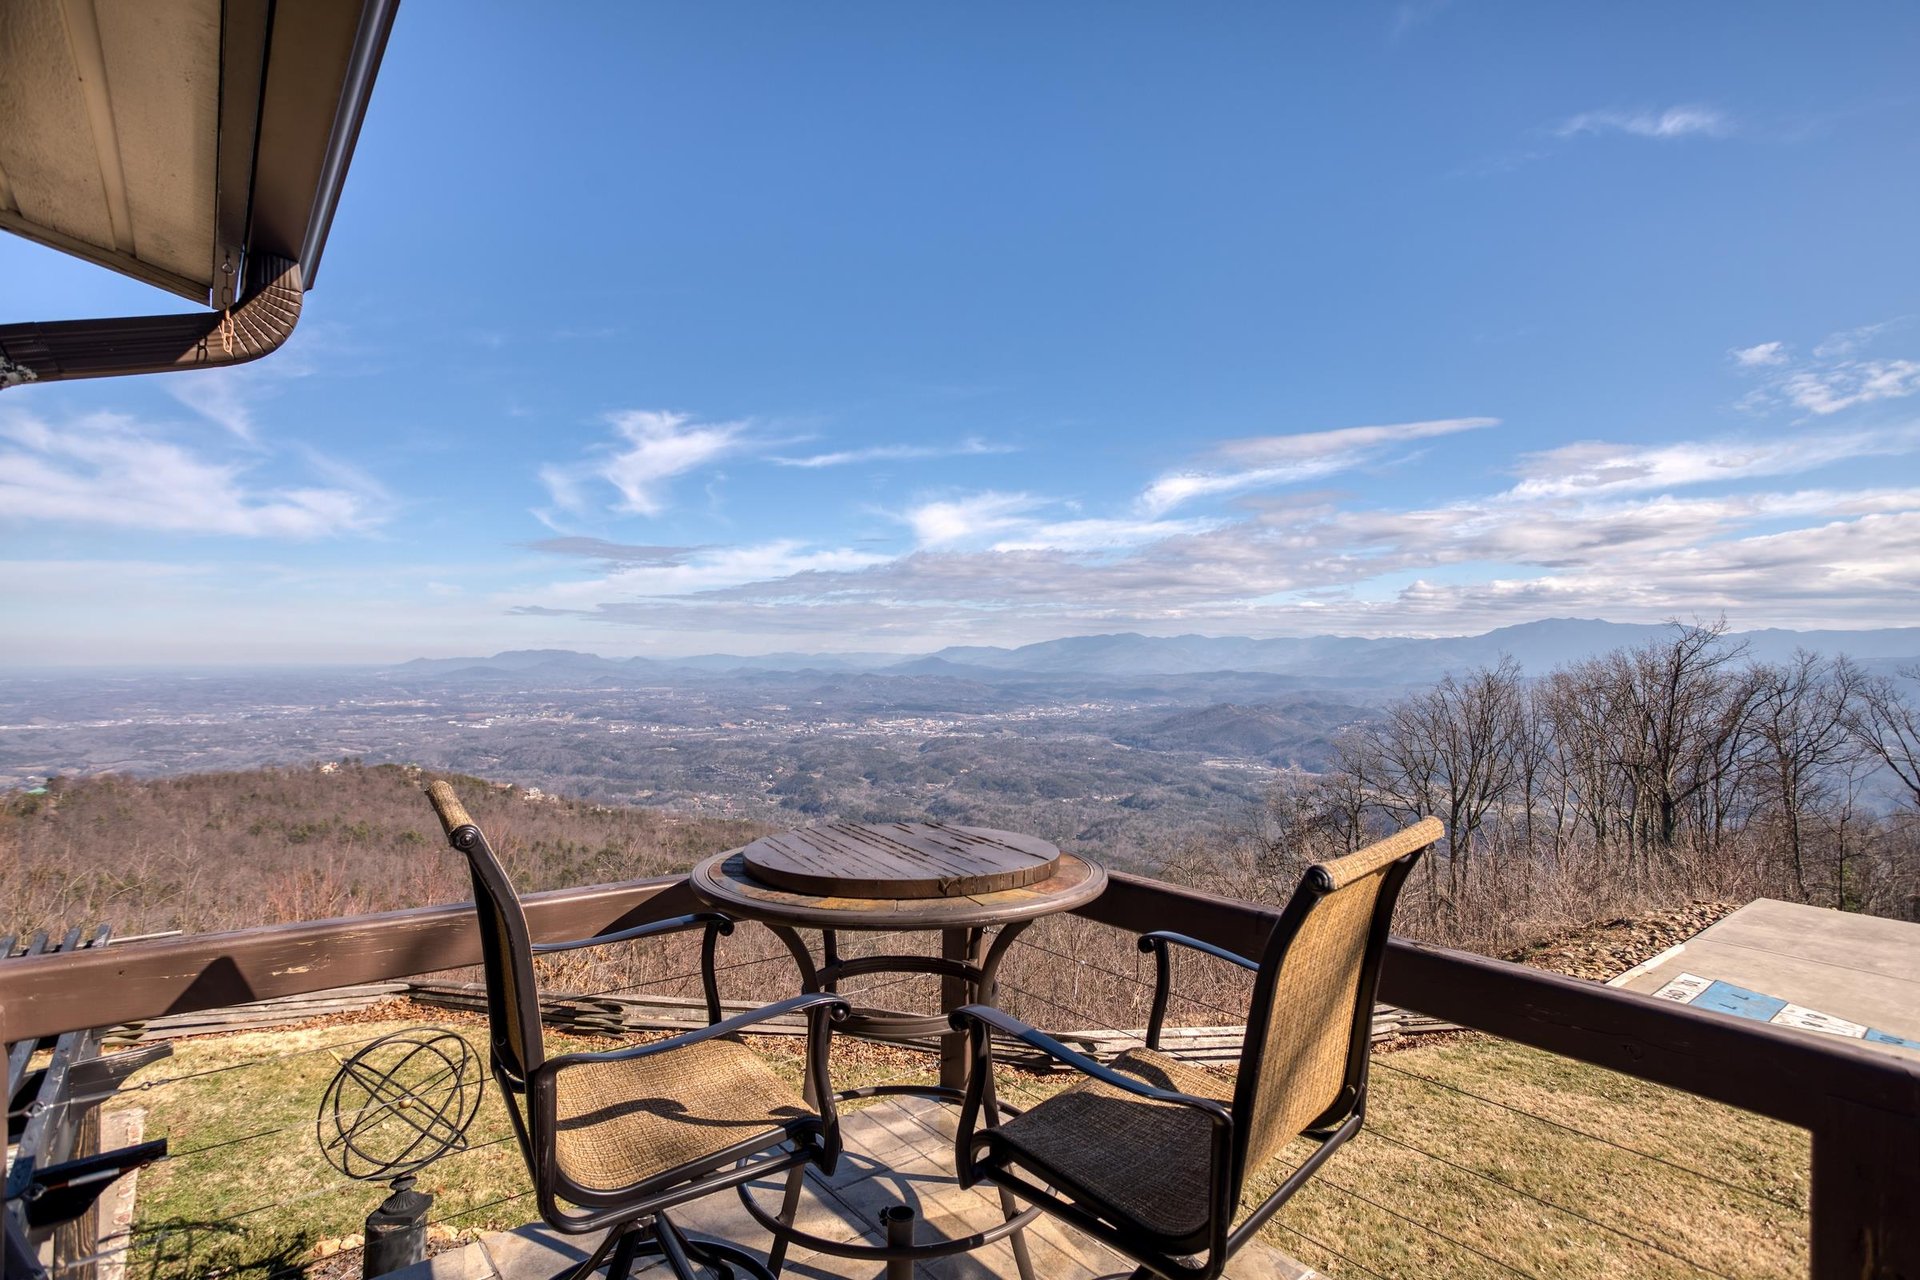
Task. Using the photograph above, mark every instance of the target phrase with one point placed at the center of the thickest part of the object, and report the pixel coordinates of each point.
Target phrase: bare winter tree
(1453, 751)
(1801, 715)
(1886, 722)
(1676, 708)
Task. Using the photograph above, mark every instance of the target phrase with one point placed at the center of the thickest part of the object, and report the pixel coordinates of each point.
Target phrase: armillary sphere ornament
(400, 1103)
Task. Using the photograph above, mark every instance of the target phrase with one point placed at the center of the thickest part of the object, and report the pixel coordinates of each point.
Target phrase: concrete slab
(1812, 969)
(897, 1151)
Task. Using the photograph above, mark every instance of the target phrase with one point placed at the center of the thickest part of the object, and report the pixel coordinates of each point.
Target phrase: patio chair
(1151, 1155)
(613, 1140)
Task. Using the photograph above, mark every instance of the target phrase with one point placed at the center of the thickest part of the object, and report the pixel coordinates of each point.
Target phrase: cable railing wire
(1424, 1226)
(1324, 1246)
(1594, 1137)
(158, 1234)
(148, 1085)
(1376, 1134)
(1378, 1062)
(681, 977)
(1135, 979)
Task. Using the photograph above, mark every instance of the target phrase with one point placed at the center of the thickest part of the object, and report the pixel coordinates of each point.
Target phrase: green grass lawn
(246, 1190)
(1440, 1183)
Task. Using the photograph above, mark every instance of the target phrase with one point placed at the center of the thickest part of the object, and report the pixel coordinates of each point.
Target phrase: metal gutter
(61, 350)
(369, 45)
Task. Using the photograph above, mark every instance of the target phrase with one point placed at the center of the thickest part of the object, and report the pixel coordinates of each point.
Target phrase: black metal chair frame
(636, 1215)
(979, 1155)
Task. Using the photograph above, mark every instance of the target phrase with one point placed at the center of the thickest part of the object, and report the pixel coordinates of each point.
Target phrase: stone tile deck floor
(897, 1150)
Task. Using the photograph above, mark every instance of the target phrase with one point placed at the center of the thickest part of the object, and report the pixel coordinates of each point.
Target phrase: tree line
(1678, 769)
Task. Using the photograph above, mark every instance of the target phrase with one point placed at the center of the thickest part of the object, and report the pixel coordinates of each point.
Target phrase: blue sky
(667, 329)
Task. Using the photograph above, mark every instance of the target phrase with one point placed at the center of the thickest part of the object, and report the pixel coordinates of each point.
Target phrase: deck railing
(1861, 1107)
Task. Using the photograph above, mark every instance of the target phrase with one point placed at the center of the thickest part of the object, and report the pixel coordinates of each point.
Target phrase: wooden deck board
(897, 1149)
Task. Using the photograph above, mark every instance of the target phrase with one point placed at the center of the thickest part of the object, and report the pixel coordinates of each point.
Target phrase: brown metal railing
(1861, 1107)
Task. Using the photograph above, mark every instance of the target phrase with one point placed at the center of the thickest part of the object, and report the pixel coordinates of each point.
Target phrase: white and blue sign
(1724, 997)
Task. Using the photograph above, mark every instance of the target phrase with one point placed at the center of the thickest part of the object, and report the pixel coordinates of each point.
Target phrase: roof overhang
(197, 145)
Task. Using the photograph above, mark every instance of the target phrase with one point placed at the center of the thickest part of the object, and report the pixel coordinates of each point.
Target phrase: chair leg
(615, 1235)
(789, 1206)
(1022, 1259)
(621, 1265)
(681, 1251)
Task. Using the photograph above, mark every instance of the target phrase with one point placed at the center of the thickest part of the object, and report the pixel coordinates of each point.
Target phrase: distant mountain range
(1309, 661)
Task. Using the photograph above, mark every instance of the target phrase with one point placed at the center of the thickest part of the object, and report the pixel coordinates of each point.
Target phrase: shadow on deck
(898, 1151)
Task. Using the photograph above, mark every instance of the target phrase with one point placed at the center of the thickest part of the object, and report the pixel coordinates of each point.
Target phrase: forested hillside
(225, 850)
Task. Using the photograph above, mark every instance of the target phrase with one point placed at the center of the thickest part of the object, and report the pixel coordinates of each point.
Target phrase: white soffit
(109, 121)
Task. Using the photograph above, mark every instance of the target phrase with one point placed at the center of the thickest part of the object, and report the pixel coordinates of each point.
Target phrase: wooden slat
(898, 860)
(257, 1016)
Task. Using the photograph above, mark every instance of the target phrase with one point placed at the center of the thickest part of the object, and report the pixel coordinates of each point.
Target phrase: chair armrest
(1157, 942)
(836, 1007)
(1161, 944)
(674, 924)
(981, 1018)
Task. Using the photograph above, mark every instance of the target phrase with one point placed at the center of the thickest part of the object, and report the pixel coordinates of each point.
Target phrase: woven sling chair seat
(625, 1121)
(1122, 1156)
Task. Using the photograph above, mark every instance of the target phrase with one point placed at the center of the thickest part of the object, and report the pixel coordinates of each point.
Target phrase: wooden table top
(899, 860)
(915, 875)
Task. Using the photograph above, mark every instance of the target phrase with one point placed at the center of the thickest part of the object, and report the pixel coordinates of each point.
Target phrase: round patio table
(898, 877)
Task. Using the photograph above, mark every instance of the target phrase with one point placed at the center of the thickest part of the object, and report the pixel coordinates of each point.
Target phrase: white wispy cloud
(1848, 341)
(1687, 121)
(1854, 553)
(233, 398)
(953, 521)
(1098, 534)
(106, 470)
(218, 398)
(1851, 382)
(1760, 355)
(1263, 462)
(701, 569)
(1594, 467)
(1834, 377)
(969, 447)
(651, 447)
(1632, 531)
(1008, 522)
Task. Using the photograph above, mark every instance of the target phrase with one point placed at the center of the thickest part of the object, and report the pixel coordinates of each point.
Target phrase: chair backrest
(1303, 1066)
(506, 948)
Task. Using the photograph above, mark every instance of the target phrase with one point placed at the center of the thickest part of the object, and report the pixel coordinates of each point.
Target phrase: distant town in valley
(1123, 742)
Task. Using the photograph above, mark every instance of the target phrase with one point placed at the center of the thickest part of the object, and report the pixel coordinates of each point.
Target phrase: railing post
(1865, 1202)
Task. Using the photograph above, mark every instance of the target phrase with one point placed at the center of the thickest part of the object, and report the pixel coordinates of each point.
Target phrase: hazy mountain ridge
(1310, 660)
